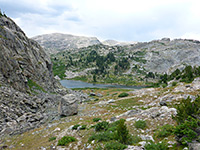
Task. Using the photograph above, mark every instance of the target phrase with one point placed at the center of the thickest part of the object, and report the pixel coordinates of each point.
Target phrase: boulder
(99, 95)
(194, 146)
(68, 105)
(130, 147)
(163, 103)
(146, 138)
(111, 101)
(92, 94)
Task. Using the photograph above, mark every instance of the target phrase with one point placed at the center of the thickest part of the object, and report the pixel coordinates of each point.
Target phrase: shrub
(156, 146)
(134, 139)
(164, 131)
(116, 131)
(174, 83)
(104, 136)
(123, 94)
(187, 108)
(65, 140)
(83, 127)
(186, 131)
(99, 147)
(101, 126)
(164, 85)
(75, 127)
(96, 119)
(52, 138)
(96, 99)
(115, 146)
(122, 132)
(113, 126)
(188, 120)
(140, 124)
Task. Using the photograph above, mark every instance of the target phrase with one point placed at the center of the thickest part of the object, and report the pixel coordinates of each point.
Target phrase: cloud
(125, 20)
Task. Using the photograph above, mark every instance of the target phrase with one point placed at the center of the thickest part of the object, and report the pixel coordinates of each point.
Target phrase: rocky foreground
(155, 106)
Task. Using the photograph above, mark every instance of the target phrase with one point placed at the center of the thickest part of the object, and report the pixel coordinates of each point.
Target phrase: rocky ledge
(20, 112)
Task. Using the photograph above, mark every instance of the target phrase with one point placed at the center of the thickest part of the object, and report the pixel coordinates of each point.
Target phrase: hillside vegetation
(138, 64)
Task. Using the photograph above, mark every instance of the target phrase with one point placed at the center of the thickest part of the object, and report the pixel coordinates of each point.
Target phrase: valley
(161, 110)
(144, 64)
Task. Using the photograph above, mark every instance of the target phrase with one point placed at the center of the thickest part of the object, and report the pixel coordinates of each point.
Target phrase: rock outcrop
(165, 55)
(117, 43)
(56, 42)
(22, 60)
(27, 83)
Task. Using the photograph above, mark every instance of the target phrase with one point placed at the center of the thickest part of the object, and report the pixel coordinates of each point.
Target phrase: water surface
(81, 84)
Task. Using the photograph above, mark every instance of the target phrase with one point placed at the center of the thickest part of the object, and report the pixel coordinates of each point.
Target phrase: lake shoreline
(81, 84)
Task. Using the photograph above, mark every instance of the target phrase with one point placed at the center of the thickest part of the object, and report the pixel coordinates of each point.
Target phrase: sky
(122, 20)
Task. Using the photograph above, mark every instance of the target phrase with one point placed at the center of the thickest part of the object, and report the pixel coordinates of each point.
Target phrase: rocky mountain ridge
(56, 42)
(116, 43)
(165, 55)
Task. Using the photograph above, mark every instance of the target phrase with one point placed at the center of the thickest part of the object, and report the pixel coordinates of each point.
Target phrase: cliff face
(22, 59)
(26, 83)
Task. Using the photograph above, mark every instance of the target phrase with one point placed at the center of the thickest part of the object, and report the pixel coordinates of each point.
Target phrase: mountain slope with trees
(140, 63)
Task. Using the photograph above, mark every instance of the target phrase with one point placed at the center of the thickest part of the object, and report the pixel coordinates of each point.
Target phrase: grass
(140, 124)
(156, 146)
(115, 146)
(34, 86)
(52, 139)
(164, 131)
(59, 70)
(127, 103)
(96, 119)
(81, 78)
(66, 140)
(111, 79)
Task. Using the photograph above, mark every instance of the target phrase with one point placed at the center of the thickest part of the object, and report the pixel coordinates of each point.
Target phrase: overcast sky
(123, 20)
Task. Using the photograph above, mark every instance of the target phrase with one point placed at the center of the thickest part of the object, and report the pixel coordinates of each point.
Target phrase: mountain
(29, 94)
(165, 55)
(33, 105)
(115, 43)
(130, 64)
(56, 42)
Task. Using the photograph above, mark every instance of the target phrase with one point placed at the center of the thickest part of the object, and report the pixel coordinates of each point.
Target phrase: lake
(81, 84)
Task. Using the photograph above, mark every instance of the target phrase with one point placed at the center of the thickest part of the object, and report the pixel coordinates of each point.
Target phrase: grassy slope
(39, 137)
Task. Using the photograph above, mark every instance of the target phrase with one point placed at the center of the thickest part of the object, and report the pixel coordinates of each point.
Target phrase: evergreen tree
(94, 78)
(122, 132)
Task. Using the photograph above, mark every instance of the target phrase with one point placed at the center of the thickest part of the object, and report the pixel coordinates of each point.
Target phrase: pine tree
(94, 78)
(122, 132)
